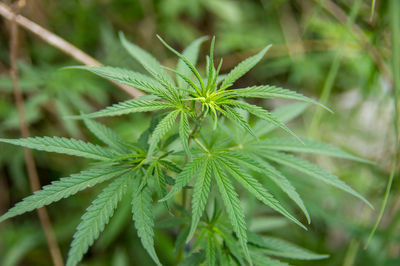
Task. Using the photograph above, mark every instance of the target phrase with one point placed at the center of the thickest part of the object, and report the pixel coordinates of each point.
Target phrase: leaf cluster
(208, 161)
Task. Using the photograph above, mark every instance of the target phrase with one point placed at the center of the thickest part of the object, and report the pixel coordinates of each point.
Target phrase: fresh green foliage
(191, 149)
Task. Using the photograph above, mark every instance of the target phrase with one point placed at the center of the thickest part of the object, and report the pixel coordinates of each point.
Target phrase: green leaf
(191, 53)
(63, 188)
(184, 133)
(311, 170)
(255, 188)
(107, 135)
(281, 248)
(242, 68)
(283, 114)
(147, 61)
(140, 104)
(188, 172)
(161, 183)
(269, 92)
(194, 259)
(236, 118)
(96, 217)
(144, 220)
(233, 208)
(185, 60)
(65, 146)
(261, 260)
(161, 129)
(128, 77)
(210, 249)
(308, 146)
(200, 196)
(261, 113)
(283, 183)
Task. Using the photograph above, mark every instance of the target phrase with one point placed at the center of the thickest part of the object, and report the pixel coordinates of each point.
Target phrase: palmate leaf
(186, 175)
(128, 77)
(141, 104)
(283, 183)
(261, 113)
(162, 128)
(96, 217)
(107, 135)
(268, 92)
(281, 248)
(200, 195)
(233, 208)
(242, 68)
(311, 170)
(308, 146)
(65, 146)
(147, 61)
(191, 53)
(184, 133)
(63, 188)
(255, 188)
(144, 220)
(253, 162)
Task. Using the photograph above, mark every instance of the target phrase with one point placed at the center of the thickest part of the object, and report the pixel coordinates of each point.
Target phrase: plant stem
(29, 160)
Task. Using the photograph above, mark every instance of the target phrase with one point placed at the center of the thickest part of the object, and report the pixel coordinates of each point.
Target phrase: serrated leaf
(233, 208)
(184, 133)
(210, 250)
(161, 184)
(107, 135)
(255, 163)
(194, 259)
(261, 260)
(96, 217)
(147, 61)
(269, 92)
(284, 114)
(255, 188)
(63, 188)
(162, 128)
(200, 196)
(128, 77)
(261, 113)
(191, 53)
(283, 183)
(311, 170)
(242, 68)
(236, 118)
(65, 146)
(281, 248)
(141, 104)
(185, 60)
(308, 146)
(188, 172)
(144, 220)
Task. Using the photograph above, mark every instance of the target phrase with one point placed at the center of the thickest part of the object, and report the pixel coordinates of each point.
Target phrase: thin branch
(60, 44)
(30, 163)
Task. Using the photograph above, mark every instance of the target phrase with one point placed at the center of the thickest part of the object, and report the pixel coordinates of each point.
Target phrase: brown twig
(30, 163)
(60, 44)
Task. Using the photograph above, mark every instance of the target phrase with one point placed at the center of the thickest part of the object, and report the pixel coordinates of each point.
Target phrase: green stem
(395, 28)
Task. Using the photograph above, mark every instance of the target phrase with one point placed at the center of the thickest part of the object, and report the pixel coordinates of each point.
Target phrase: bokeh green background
(325, 47)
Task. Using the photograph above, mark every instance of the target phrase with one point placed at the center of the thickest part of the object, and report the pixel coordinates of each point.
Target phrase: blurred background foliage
(322, 48)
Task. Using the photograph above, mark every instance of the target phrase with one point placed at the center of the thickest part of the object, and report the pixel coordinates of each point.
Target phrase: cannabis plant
(203, 140)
